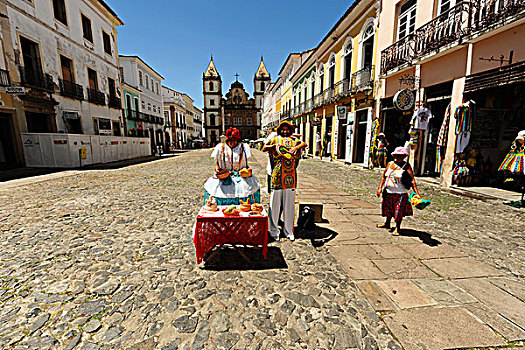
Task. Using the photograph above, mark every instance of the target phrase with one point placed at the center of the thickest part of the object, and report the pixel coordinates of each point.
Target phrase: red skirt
(396, 205)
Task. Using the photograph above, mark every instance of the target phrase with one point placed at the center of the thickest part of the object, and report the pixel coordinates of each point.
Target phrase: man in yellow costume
(285, 154)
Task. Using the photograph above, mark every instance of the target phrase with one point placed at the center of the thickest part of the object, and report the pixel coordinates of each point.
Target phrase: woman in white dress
(231, 158)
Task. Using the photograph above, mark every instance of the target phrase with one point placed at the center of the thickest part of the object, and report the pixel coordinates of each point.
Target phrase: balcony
(40, 81)
(399, 53)
(446, 28)
(70, 89)
(309, 105)
(4, 78)
(114, 102)
(96, 97)
(342, 88)
(132, 115)
(328, 94)
(465, 19)
(318, 100)
(363, 79)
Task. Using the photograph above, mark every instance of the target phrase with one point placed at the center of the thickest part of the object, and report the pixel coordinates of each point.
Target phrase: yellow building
(332, 91)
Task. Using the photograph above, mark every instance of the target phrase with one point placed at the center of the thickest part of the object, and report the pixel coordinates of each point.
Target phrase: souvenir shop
(488, 125)
(431, 148)
(395, 124)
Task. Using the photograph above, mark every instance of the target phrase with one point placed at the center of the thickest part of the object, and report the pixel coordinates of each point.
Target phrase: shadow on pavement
(319, 236)
(230, 259)
(424, 237)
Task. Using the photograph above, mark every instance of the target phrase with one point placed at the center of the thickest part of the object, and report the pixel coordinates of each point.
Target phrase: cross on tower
(236, 77)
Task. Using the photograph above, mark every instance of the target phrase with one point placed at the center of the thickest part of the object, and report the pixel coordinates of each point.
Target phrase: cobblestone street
(104, 259)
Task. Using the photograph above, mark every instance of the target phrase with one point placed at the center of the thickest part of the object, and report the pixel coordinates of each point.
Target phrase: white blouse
(224, 158)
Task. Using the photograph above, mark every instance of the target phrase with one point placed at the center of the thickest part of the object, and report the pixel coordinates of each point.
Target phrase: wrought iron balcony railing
(401, 52)
(309, 105)
(4, 78)
(484, 13)
(465, 19)
(328, 94)
(70, 89)
(319, 100)
(96, 97)
(32, 79)
(301, 108)
(342, 88)
(363, 79)
(448, 27)
(114, 102)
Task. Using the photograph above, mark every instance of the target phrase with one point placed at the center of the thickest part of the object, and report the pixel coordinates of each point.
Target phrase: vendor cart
(214, 230)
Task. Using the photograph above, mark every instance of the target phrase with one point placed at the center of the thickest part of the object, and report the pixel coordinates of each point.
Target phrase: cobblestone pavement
(104, 260)
(489, 230)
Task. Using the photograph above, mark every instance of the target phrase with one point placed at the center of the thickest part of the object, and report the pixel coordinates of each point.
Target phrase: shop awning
(513, 73)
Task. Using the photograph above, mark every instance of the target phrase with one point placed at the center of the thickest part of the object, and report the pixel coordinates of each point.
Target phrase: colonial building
(237, 109)
(64, 55)
(185, 119)
(447, 56)
(332, 91)
(148, 120)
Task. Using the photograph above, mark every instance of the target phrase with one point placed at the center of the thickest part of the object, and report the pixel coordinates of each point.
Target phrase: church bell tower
(261, 80)
(212, 91)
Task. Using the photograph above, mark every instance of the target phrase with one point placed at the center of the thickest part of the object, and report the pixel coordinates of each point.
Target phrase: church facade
(236, 108)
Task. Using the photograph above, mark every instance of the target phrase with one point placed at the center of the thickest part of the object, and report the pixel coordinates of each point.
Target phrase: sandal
(395, 232)
(383, 226)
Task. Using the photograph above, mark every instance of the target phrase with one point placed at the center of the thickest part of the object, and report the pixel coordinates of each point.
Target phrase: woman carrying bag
(397, 180)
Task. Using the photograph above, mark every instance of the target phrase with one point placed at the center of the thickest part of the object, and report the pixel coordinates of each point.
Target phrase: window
(212, 119)
(226, 121)
(136, 101)
(262, 85)
(446, 5)
(140, 78)
(149, 106)
(143, 105)
(249, 121)
(86, 29)
(212, 102)
(406, 23)
(59, 9)
(321, 79)
(348, 60)
(67, 69)
(121, 70)
(157, 87)
(107, 42)
(154, 109)
(111, 86)
(147, 81)
(31, 58)
(237, 121)
(211, 85)
(92, 79)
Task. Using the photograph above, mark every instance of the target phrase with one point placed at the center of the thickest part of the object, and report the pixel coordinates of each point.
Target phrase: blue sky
(176, 38)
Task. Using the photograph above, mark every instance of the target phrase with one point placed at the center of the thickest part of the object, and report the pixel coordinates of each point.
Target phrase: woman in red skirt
(396, 203)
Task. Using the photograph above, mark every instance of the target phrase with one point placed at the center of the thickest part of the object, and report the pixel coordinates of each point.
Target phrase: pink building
(445, 54)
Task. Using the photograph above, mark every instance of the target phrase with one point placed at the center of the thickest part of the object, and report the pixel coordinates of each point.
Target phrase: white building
(138, 73)
(67, 61)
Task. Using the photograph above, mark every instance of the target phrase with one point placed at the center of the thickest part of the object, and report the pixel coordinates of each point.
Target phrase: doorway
(7, 146)
(360, 139)
(341, 147)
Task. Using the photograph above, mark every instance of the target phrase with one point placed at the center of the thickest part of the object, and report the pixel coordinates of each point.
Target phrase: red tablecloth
(213, 228)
